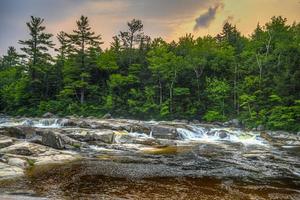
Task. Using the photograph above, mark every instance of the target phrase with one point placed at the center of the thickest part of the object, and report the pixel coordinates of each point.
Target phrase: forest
(254, 78)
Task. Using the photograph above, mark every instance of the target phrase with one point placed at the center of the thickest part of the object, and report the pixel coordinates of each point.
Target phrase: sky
(168, 19)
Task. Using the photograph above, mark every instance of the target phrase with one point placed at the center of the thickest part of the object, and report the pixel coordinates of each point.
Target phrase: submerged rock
(220, 133)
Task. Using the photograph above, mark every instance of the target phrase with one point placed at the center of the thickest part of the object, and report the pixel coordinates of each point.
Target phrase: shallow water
(76, 181)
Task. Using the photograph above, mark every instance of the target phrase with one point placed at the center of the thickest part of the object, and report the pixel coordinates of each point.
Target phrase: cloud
(204, 20)
(108, 17)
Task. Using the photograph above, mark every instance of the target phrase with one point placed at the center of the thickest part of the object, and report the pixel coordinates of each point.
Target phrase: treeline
(255, 78)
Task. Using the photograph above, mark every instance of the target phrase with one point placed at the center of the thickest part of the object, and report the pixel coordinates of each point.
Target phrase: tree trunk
(83, 69)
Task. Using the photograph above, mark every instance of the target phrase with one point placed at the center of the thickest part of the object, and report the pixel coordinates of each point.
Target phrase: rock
(5, 143)
(9, 172)
(106, 136)
(223, 134)
(183, 121)
(196, 121)
(48, 115)
(220, 133)
(164, 132)
(107, 116)
(84, 124)
(68, 122)
(53, 139)
(18, 162)
(220, 124)
(24, 148)
(260, 128)
(36, 139)
(233, 123)
(21, 132)
(165, 142)
(56, 158)
(280, 138)
(128, 138)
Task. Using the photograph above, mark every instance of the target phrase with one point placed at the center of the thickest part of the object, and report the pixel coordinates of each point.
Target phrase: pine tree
(83, 40)
(36, 50)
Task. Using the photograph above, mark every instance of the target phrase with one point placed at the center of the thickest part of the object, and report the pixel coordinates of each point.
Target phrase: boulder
(59, 141)
(48, 115)
(164, 132)
(53, 139)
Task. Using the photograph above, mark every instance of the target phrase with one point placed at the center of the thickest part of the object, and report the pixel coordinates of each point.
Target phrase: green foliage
(255, 79)
(284, 118)
(212, 116)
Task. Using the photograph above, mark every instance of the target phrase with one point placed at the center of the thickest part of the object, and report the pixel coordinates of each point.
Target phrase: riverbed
(76, 158)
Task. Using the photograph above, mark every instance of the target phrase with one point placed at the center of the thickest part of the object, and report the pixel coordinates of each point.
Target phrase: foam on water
(47, 123)
(42, 123)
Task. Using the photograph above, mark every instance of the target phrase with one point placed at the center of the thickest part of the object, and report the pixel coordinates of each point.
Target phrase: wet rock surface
(117, 158)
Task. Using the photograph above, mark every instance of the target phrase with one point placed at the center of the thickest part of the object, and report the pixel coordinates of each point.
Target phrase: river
(129, 159)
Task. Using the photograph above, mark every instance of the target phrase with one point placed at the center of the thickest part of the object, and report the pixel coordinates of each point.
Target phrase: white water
(214, 135)
(42, 123)
(191, 133)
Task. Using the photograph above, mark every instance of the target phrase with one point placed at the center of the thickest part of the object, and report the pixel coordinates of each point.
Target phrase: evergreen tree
(83, 40)
(36, 50)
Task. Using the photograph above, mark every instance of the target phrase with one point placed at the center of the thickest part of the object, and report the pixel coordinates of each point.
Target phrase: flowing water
(202, 163)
